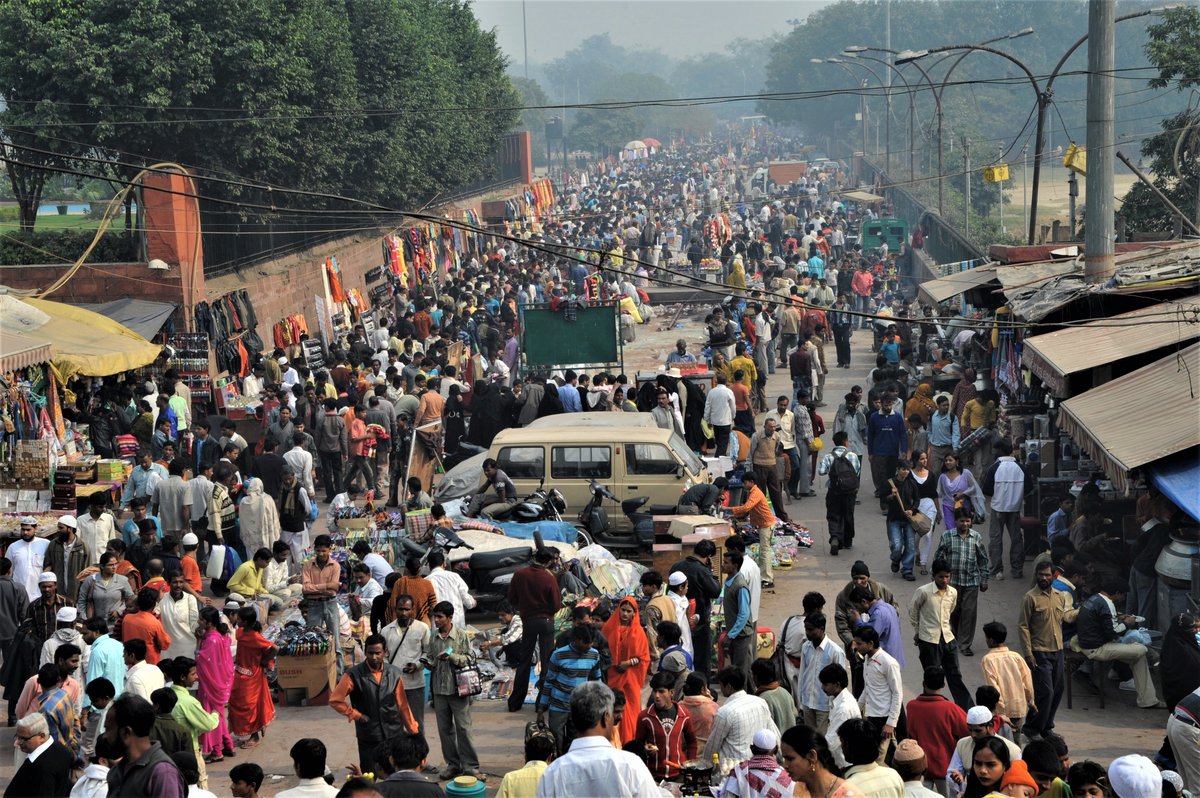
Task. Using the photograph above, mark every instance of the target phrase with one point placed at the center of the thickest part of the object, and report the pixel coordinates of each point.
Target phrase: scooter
(593, 526)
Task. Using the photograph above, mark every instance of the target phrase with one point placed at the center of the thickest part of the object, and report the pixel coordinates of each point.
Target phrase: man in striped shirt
(569, 667)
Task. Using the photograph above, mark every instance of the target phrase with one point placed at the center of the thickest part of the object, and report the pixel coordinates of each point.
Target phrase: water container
(466, 787)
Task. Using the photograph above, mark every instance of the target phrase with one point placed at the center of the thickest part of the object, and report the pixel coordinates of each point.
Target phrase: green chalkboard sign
(551, 339)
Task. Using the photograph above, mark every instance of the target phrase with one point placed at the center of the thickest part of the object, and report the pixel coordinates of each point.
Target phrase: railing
(943, 242)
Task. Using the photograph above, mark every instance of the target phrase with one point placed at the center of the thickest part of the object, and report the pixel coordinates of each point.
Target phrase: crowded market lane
(1092, 732)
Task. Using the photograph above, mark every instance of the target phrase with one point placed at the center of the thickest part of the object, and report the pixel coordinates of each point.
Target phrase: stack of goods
(295, 640)
(127, 447)
(31, 465)
(110, 471)
(710, 265)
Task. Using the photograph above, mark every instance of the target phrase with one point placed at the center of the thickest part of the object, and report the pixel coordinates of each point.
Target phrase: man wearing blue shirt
(1059, 522)
(569, 667)
(943, 433)
(887, 442)
(142, 479)
(568, 394)
(739, 626)
(883, 618)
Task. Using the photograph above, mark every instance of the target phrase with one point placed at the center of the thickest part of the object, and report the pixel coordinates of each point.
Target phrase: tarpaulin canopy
(142, 316)
(1177, 478)
(863, 196)
(935, 291)
(21, 351)
(1054, 356)
(81, 342)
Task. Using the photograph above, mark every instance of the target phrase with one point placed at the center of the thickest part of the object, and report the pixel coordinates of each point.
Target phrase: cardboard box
(312, 674)
(703, 525)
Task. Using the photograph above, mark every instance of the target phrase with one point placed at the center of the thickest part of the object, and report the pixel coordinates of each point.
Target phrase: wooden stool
(1072, 662)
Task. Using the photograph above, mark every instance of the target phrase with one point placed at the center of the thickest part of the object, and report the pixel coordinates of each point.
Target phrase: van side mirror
(679, 472)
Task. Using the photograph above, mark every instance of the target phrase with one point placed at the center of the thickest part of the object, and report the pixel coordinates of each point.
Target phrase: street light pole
(855, 53)
(910, 57)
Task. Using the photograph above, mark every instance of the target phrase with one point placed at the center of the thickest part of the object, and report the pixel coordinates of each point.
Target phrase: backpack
(842, 476)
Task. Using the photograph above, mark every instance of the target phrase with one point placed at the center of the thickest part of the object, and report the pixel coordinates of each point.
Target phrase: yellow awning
(81, 342)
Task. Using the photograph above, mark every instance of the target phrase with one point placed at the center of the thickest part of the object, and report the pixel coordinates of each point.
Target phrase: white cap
(232, 604)
(677, 578)
(190, 539)
(977, 716)
(47, 576)
(67, 615)
(69, 520)
(282, 361)
(28, 520)
(764, 740)
(1135, 776)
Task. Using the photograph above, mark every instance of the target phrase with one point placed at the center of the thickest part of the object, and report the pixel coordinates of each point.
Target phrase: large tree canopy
(1173, 154)
(392, 101)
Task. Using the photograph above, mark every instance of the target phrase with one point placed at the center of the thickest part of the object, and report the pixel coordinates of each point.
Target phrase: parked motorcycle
(487, 573)
(541, 505)
(593, 526)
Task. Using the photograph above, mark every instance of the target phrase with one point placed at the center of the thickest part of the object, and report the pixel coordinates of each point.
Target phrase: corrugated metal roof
(1100, 420)
(21, 351)
(1163, 267)
(935, 291)
(1056, 355)
(1028, 274)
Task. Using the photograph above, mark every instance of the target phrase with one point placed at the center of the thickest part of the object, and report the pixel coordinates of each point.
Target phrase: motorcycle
(593, 526)
(541, 505)
(487, 573)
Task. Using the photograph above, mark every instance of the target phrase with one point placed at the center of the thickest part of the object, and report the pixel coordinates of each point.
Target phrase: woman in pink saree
(214, 665)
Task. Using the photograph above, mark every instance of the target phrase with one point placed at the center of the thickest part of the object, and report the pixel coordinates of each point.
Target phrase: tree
(392, 102)
(1174, 154)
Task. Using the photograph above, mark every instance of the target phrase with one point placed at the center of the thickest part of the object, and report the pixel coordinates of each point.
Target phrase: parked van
(594, 419)
(630, 461)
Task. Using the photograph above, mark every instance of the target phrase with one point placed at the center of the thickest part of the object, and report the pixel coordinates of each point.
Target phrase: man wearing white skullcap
(1135, 776)
(760, 775)
(67, 556)
(43, 611)
(64, 634)
(28, 555)
(677, 592)
(980, 723)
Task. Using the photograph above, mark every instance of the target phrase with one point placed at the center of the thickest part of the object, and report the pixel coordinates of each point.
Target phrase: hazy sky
(676, 27)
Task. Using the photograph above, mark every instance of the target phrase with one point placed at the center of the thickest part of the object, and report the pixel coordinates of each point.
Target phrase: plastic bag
(1136, 636)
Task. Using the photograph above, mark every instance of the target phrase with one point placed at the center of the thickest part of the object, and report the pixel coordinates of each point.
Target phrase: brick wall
(98, 282)
(289, 285)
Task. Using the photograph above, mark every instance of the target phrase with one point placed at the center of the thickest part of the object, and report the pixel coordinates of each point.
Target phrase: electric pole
(967, 209)
(1098, 247)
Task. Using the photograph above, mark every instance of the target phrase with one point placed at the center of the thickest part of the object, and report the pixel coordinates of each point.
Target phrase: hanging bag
(921, 523)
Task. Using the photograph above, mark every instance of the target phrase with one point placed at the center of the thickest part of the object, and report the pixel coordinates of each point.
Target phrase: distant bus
(892, 231)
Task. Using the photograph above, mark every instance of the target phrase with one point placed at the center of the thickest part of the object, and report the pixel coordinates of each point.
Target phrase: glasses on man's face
(22, 738)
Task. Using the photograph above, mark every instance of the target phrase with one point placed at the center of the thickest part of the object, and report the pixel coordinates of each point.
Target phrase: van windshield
(685, 454)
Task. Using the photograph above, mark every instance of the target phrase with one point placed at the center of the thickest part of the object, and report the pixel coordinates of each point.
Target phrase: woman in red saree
(250, 704)
(214, 665)
(631, 659)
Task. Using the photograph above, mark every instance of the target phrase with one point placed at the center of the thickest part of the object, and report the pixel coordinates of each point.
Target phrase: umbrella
(636, 145)
(651, 142)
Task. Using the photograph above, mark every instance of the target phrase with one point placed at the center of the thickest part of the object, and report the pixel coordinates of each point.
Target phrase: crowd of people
(133, 641)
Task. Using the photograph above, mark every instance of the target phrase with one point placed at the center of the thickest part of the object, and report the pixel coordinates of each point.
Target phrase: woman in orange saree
(250, 704)
(631, 660)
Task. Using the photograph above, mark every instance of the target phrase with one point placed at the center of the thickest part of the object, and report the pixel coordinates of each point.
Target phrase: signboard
(367, 318)
(325, 331)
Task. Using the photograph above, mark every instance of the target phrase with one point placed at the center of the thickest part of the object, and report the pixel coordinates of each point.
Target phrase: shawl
(1180, 664)
(627, 642)
(259, 518)
(921, 403)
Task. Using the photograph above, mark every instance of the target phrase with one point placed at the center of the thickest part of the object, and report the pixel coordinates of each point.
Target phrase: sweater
(886, 436)
(937, 724)
(534, 593)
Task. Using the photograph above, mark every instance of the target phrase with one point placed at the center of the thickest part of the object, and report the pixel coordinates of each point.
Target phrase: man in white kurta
(27, 556)
(179, 612)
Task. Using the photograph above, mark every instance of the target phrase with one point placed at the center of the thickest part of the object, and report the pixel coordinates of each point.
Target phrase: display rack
(191, 361)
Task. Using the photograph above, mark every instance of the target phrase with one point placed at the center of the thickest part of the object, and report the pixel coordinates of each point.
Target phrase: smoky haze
(677, 28)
